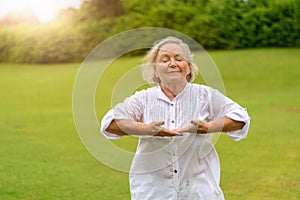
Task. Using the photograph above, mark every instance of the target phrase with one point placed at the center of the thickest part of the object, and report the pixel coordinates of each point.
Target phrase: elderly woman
(175, 158)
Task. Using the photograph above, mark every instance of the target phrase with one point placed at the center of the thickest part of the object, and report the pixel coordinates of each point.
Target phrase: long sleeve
(131, 109)
(105, 122)
(239, 114)
(222, 106)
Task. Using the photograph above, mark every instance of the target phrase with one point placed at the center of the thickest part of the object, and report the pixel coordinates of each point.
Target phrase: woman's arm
(223, 124)
(227, 116)
(123, 127)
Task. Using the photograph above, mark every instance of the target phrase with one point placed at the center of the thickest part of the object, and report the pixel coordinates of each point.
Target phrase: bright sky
(45, 10)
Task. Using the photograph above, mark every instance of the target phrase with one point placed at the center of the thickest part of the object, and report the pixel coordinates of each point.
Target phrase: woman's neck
(172, 90)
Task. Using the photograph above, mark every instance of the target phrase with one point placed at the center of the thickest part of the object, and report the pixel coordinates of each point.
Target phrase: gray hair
(149, 60)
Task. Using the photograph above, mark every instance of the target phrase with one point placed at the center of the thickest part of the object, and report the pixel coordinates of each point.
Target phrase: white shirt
(182, 167)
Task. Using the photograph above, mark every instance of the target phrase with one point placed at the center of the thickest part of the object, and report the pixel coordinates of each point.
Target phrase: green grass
(42, 157)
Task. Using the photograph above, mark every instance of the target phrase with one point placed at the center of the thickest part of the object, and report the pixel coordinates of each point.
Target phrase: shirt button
(172, 121)
(175, 171)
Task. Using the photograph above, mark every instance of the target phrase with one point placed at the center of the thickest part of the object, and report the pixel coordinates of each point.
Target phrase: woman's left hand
(197, 126)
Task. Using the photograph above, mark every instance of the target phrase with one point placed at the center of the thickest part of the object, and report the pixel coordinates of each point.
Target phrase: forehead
(171, 48)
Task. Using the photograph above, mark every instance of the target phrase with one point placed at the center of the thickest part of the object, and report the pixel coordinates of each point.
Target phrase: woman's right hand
(157, 129)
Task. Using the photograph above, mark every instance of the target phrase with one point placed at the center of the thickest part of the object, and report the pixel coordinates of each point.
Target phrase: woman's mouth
(171, 72)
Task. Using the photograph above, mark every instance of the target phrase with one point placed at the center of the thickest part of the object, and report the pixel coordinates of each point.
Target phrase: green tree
(99, 9)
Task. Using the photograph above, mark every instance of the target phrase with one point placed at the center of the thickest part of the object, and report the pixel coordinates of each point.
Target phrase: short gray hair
(149, 60)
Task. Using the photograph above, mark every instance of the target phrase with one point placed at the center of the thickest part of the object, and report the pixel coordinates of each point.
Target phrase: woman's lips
(170, 72)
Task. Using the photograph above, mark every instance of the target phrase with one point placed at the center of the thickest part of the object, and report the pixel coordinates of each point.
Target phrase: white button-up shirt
(182, 167)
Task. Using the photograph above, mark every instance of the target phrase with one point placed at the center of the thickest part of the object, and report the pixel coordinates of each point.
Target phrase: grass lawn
(42, 157)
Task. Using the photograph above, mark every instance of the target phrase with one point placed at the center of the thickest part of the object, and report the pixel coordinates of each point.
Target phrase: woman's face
(171, 65)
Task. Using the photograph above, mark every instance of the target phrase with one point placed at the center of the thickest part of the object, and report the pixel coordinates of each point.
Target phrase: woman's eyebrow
(165, 54)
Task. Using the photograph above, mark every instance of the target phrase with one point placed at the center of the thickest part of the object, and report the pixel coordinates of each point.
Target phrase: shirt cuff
(105, 122)
(242, 116)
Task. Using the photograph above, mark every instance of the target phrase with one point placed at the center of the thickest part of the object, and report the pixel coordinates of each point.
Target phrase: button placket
(172, 116)
(175, 164)
(174, 155)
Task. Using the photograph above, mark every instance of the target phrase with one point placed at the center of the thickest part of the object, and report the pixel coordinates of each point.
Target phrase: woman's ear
(189, 77)
(155, 76)
(156, 79)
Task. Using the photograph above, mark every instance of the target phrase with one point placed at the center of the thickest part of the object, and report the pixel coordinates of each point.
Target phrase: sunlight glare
(44, 10)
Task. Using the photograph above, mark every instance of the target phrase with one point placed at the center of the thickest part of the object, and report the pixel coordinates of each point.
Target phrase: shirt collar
(161, 95)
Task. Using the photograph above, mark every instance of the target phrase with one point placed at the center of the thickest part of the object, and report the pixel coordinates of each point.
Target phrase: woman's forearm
(224, 124)
(126, 127)
(123, 127)
(129, 127)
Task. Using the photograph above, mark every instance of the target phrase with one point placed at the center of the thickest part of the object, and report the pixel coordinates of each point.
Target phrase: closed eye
(164, 59)
(179, 58)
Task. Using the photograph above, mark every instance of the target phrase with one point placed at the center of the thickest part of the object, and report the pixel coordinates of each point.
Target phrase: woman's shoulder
(201, 90)
(207, 91)
(199, 87)
(146, 91)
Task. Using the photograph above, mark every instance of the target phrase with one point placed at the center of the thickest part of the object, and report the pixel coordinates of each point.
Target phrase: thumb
(195, 122)
(159, 123)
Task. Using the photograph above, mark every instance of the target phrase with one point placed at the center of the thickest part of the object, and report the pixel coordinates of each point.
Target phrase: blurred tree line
(215, 24)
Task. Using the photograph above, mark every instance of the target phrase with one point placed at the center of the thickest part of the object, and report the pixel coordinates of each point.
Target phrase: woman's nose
(172, 63)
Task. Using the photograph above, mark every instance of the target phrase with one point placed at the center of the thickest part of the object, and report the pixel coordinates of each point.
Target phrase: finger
(174, 132)
(195, 122)
(168, 133)
(181, 130)
(186, 129)
(158, 123)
